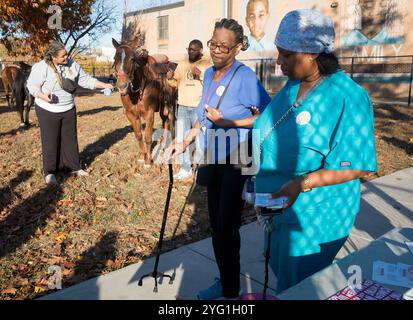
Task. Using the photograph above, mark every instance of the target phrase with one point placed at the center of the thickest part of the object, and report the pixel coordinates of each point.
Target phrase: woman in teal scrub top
(313, 143)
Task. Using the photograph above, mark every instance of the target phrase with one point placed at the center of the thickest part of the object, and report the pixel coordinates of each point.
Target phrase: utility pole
(125, 11)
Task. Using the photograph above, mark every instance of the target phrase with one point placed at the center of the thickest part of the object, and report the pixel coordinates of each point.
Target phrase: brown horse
(14, 83)
(141, 81)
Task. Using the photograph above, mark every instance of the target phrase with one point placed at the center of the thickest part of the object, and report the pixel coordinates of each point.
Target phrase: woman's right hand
(108, 86)
(174, 150)
(46, 96)
(178, 148)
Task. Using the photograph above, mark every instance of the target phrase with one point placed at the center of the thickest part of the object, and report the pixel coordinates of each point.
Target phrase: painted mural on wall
(258, 24)
(372, 22)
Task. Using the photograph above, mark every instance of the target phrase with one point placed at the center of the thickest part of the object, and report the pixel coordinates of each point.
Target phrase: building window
(163, 47)
(163, 28)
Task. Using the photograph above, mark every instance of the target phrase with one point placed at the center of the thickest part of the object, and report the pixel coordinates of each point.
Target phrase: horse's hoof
(22, 125)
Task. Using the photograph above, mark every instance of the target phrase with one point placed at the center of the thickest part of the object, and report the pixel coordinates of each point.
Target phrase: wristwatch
(306, 185)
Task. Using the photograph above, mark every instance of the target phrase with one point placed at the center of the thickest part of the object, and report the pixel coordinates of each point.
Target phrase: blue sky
(106, 40)
(142, 4)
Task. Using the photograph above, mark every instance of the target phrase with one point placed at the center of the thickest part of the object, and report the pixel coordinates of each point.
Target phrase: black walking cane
(267, 260)
(155, 274)
(263, 295)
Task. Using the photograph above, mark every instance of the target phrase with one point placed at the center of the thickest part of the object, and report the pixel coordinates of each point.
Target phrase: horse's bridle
(129, 84)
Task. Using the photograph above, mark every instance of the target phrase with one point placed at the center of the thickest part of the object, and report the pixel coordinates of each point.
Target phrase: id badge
(203, 129)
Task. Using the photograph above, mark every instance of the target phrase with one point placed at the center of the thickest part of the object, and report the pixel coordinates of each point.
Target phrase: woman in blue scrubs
(313, 143)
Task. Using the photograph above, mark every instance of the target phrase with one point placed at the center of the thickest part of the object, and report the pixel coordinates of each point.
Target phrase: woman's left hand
(291, 190)
(196, 72)
(104, 85)
(214, 115)
(108, 86)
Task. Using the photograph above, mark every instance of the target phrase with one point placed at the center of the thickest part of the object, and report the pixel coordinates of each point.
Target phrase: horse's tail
(17, 87)
(30, 98)
(161, 97)
(10, 83)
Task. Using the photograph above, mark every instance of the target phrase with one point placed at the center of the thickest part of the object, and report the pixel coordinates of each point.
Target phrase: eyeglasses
(224, 49)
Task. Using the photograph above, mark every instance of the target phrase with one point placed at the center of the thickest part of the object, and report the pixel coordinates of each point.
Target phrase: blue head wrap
(307, 31)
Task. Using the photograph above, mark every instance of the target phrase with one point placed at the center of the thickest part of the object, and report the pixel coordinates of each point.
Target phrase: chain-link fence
(100, 71)
(268, 72)
(387, 79)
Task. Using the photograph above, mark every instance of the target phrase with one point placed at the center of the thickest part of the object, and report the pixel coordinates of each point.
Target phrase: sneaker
(50, 179)
(214, 292)
(183, 174)
(81, 173)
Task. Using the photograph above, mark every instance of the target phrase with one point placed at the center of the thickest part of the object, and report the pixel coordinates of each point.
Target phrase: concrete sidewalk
(386, 203)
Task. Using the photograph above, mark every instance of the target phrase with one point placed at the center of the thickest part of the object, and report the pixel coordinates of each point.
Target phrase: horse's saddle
(160, 58)
(160, 65)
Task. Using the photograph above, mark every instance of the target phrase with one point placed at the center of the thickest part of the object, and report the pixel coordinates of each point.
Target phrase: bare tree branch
(103, 19)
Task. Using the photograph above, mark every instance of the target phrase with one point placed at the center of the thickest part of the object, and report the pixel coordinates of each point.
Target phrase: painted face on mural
(373, 16)
(373, 22)
(257, 17)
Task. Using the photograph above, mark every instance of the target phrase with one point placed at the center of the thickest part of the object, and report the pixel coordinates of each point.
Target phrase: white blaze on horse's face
(123, 56)
(123, 81)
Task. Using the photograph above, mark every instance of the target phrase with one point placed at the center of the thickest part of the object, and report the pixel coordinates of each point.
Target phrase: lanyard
(293, 107)
(210, 93)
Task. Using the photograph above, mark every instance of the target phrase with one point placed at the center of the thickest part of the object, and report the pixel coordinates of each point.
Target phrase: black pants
(225, 206)
(59, 140)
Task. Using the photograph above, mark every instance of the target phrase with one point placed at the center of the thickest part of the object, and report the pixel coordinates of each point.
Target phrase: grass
(95, 225)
